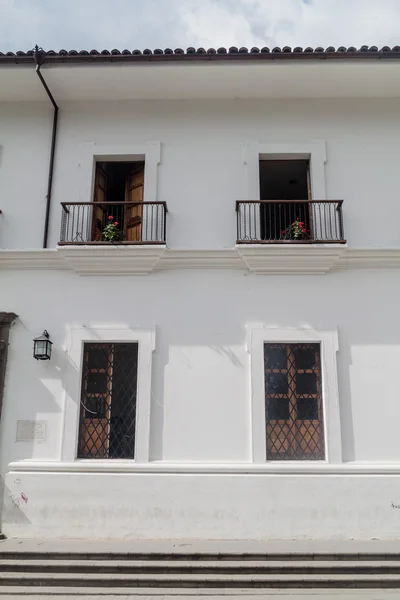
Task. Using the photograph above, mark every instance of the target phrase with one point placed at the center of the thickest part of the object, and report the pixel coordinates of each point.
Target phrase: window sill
(129, 466)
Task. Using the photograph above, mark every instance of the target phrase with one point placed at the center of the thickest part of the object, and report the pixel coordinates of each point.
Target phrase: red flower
(283, 232)
(110, 218)
(116, 223)
(301, 223)
(304, 230)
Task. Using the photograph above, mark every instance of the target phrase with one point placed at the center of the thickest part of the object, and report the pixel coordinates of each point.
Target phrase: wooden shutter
(134, 193)
(100, 195)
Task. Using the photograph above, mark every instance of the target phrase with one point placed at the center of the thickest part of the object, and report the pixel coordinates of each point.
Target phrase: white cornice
(31, 259)
(258, 259)
(370, 258)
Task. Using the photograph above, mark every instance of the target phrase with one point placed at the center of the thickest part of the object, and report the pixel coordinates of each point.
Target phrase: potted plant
(111, 232)
(296, 231)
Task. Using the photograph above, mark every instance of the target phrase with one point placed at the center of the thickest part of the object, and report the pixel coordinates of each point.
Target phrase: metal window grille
(108, 401)
(293, 402)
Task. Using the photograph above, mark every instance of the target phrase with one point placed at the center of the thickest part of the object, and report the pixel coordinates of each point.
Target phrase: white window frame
(90, 153)
(257, 335)
(76, 338)
(314, 151)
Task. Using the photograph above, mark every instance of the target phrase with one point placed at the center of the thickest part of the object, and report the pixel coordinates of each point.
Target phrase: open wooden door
(100, 195)
(134, 193)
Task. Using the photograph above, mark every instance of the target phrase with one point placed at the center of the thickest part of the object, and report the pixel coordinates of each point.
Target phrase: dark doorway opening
(282, 181)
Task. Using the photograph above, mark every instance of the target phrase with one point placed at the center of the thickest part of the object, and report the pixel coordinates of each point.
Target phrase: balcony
(290, 222)
(116, 223)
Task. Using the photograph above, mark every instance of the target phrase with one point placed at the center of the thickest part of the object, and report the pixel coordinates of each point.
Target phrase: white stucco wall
(201, 403)
(202, 173)
(201, 389)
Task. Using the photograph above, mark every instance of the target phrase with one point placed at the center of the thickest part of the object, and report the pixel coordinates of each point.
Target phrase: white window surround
(123, 260)
(256, 336)
(91, 152)
(77, 336)
(262, 259)
(315, 150)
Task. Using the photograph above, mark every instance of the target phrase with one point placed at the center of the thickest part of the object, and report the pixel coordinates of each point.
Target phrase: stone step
(94, 593)
(204, 567)
(83, 555)
(217, 581)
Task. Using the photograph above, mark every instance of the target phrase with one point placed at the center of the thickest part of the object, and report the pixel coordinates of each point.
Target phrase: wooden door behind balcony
(99, 210)
(134, 193)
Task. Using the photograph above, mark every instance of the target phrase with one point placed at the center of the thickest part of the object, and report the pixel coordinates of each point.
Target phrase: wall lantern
(42, 347)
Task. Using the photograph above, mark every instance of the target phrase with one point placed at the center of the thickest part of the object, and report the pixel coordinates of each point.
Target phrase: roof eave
(200, 55)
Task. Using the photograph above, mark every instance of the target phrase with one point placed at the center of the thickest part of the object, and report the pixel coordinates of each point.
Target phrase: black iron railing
(113, 222)
(290, 221)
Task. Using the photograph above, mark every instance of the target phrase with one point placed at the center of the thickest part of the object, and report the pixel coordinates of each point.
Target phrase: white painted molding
(264, 259)
(111, 260)
(257, 335)
(90, 152)
(369, 258)
(126, 466)
(31, 260)
(201, 259)
(73, 375)
(257, 258)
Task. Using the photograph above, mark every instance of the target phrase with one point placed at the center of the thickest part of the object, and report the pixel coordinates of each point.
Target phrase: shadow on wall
(202, 317)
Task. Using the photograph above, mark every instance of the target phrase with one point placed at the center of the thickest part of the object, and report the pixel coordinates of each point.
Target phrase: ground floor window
(108, 400)
(293, 401)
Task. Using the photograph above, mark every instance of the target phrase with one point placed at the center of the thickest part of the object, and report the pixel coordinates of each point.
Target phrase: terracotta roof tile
(233, 53)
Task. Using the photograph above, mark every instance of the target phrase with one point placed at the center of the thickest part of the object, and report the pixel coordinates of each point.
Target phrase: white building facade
(224, 363)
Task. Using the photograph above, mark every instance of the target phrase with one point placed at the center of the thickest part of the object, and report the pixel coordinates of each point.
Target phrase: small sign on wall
(31, 431)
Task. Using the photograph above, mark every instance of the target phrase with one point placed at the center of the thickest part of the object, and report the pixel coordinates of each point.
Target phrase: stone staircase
(41, 571)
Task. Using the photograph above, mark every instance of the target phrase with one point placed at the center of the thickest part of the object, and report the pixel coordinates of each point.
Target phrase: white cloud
(292, 22)
(180, 23)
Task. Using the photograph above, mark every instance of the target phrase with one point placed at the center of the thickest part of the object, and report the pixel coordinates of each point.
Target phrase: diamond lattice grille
(108, 401)
(293, 402)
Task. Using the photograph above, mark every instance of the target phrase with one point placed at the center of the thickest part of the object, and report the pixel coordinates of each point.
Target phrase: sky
(99, 24)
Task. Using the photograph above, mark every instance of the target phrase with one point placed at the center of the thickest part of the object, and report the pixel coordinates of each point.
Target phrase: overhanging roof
(367, 72)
